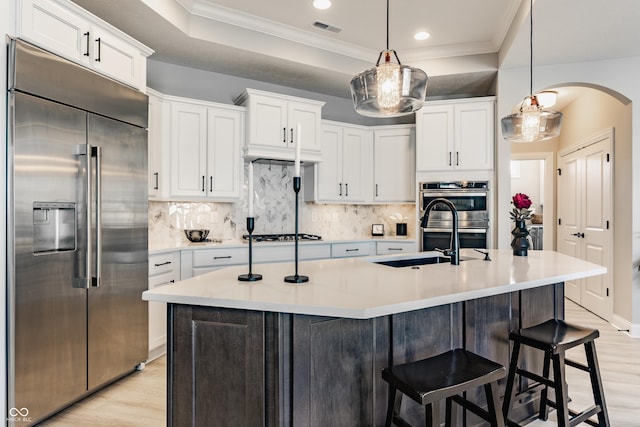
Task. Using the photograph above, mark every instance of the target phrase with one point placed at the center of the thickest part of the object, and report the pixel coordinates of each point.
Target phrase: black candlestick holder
(296, 278)
(250, 277)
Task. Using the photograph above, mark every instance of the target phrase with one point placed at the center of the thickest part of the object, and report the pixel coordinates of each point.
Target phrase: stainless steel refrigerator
(77, 227)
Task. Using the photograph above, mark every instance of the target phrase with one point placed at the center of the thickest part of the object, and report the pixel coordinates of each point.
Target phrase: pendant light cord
(387, 24)
(530, 46)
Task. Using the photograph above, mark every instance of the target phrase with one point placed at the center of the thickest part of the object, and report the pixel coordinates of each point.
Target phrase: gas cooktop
(280, 237)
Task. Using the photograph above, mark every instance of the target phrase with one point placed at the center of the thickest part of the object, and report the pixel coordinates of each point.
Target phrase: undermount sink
(410, 262)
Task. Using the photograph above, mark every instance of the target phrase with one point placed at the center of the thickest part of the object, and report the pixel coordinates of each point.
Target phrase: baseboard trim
(631, 329)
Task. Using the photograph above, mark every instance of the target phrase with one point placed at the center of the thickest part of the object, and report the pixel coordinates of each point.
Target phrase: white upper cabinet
(394, 165)
(66, 29)
(158, 146)
(205, 150)
(272, 122)
(345, 173)
(455, 135)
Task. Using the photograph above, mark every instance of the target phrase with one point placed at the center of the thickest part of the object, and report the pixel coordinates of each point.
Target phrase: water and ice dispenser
(54, 227)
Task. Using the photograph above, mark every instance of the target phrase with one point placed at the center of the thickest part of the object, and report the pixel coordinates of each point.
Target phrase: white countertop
(358, 288)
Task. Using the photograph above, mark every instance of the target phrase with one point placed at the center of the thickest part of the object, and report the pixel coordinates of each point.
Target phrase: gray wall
(187, 82)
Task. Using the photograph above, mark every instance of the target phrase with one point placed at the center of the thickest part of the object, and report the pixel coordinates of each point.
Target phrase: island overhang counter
(277, 353)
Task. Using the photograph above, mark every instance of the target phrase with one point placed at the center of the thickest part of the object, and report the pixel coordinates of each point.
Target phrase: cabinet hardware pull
(340, 194)
(352, 250)
(292, 135)
(203, 183)
(284, 135)
(172, 281)
(162, 263)
(87, 52)
(211, 184)
(449, 158)
(395, 249)
(346, 190)
(156, 175)
(99, 44)
(222, 257)
(457, 158)
(376, 190)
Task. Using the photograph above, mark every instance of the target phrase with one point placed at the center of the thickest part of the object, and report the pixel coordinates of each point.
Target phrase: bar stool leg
(544, 407)
(432, 414)
(493, 403)
(509, 391)
(395, 400)
(560, 386)
(596, 383)
(451, 415)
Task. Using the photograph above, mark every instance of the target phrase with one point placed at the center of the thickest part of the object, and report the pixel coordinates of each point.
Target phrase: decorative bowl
(196, 235)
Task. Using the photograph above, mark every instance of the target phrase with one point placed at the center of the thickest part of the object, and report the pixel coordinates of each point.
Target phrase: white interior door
(585, 210)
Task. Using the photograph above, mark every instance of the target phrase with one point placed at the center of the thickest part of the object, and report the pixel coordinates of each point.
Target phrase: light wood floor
(139, 400)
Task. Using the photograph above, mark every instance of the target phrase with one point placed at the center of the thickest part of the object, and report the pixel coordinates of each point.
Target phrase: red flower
(521, 201)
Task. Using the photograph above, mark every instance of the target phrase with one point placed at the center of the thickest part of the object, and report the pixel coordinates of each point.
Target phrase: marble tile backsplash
(274, 206)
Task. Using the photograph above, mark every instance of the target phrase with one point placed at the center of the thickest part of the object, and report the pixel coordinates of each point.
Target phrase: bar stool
(444, 376)
(554, 337)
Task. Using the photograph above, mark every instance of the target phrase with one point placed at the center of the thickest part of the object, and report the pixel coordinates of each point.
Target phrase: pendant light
(389, 89)
(531, 123)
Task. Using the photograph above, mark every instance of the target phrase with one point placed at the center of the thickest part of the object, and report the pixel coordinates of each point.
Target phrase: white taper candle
(298, 144)
(250, 195)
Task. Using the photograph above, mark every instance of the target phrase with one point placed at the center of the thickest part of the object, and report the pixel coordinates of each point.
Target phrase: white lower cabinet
(390, 248)
(164, 269)
(283, 253)
(349, 250)
(205, 260)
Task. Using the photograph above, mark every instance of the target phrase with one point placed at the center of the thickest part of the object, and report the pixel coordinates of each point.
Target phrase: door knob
(578, 235)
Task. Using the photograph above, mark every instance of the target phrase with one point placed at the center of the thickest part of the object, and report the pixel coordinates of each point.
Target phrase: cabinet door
(394, 166)
(155, 145)
(53, 26)
(268, 122)
(308, 116)
(188, 149)
(474, 136)
(330, 169)
(224, 134)
(115, 58)
(434, 146)
(357, 164)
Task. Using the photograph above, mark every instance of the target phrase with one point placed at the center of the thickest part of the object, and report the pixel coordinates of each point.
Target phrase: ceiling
(275, 41)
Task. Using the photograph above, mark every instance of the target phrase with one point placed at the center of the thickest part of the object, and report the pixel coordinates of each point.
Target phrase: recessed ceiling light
(322, 4)
(421, 35)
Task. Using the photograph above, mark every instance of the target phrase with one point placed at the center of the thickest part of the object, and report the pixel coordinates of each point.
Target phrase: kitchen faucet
(454, 250)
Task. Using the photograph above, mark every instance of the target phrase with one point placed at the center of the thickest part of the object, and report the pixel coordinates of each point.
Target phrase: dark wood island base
(232, 367)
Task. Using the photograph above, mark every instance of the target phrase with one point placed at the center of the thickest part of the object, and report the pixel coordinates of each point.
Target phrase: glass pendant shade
(389, 89)
(531, 123)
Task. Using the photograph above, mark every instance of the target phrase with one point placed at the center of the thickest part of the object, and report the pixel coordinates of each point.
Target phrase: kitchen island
(275, 353)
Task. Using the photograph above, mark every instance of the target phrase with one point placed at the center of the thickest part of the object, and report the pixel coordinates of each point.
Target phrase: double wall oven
(471, 200)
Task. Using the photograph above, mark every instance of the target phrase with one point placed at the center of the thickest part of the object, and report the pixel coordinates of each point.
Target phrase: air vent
(326, 27)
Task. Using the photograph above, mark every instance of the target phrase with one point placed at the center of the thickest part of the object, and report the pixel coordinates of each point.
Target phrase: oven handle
(446, 194)
(460, 230)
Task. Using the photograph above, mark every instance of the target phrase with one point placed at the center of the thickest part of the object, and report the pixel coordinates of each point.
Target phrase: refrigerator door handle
(97, 153)
(92, 276)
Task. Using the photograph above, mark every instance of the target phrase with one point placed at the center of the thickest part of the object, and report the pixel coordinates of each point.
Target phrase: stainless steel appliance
(471, 200)
(77, 247)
